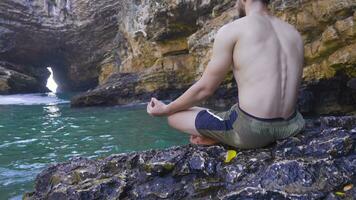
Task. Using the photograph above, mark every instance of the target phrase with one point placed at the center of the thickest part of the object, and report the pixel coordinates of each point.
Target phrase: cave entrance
(51, 83)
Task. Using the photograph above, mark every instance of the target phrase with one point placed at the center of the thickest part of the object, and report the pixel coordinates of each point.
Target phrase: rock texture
(19, 79)
(319, 163)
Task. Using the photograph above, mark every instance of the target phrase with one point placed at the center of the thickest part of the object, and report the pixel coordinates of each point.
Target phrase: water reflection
(52, 110)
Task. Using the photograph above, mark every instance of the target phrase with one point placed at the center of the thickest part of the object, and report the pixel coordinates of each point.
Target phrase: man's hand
(157, 108)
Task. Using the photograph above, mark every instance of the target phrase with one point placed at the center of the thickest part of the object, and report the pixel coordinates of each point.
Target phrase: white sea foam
(31, 99)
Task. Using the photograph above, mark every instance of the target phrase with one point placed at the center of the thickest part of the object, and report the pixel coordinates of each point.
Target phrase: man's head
(241, 5)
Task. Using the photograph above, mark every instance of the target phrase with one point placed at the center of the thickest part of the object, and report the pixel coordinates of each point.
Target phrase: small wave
(31, 99)
(16, 176)
(18, 142)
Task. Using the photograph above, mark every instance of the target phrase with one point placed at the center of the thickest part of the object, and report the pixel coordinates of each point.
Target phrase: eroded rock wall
(20, 79)
(329, 31)
(168, 45)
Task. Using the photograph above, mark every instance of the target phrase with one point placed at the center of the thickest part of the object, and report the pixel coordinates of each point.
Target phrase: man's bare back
(266, 56)
(268, 64)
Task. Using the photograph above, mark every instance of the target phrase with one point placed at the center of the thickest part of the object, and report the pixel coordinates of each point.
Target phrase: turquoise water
(39, 129)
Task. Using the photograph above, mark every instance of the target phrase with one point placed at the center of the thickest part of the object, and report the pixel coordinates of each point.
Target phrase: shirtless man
(266, 55)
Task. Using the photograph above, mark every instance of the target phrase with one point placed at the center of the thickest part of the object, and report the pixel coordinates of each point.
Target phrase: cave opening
(51, 83)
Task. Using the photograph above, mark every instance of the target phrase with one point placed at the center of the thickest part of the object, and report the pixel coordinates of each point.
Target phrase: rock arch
(72, 37)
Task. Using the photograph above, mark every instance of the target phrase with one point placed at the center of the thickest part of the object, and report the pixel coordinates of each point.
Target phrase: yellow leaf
(231, 154)
(340, 193)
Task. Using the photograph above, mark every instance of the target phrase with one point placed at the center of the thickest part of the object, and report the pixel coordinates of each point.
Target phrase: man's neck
(256, 8)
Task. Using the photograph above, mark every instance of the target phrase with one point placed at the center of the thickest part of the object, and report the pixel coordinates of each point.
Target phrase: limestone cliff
(169, 44)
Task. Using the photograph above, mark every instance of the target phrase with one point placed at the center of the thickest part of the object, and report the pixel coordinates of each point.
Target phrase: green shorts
(240, 129)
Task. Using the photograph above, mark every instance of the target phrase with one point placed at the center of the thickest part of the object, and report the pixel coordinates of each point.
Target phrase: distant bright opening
(51, 84)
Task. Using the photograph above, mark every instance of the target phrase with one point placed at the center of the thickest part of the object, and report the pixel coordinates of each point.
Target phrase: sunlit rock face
(329, 31)
(168, 51)
(319, 163)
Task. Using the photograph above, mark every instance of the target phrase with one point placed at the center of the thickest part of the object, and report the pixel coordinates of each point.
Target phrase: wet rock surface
(327, 96)
(352, 84)
(129, 91)
(19, 79)
(318, 163)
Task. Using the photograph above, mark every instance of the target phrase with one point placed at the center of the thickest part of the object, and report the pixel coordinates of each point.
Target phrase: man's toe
(194, 139)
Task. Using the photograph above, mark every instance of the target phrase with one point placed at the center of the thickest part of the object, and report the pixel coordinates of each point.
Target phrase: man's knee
(171, 119)
(189, 114)
(175, 120)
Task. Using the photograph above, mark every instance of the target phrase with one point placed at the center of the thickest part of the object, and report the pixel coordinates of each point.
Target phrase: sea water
(40, 129)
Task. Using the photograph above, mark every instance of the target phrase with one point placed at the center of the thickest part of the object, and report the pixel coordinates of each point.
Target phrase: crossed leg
(184, 121)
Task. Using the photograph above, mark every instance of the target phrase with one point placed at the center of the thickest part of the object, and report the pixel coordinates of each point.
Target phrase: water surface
(38, 129)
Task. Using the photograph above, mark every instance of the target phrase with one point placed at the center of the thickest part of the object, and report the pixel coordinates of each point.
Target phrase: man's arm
(213, 75)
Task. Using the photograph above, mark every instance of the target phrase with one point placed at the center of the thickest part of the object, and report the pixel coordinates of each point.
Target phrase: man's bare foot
(193, 139)
(201, 140)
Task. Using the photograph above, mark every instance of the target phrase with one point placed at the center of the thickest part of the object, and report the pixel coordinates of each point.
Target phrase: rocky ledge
(319, 163)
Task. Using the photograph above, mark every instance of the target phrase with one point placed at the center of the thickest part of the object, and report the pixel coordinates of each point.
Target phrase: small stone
(348, 187)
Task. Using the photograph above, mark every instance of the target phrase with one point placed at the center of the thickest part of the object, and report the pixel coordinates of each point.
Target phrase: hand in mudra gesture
(157, 108)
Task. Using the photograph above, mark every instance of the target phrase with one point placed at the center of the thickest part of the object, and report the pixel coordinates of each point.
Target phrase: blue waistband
(269, 119)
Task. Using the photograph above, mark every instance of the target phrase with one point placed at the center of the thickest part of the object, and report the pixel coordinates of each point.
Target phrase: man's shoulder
(293, 31)
(288, 26)
(248, 23)
(243, 21)
(226, 30)
(227, 27)
(234, 26)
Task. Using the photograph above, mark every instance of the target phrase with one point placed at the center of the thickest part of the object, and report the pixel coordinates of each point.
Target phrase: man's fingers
(149, 108)
(150, 103)
(156, 101)
(153, 101)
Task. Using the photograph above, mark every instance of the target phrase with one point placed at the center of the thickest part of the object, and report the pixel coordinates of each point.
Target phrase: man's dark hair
(264, 1)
